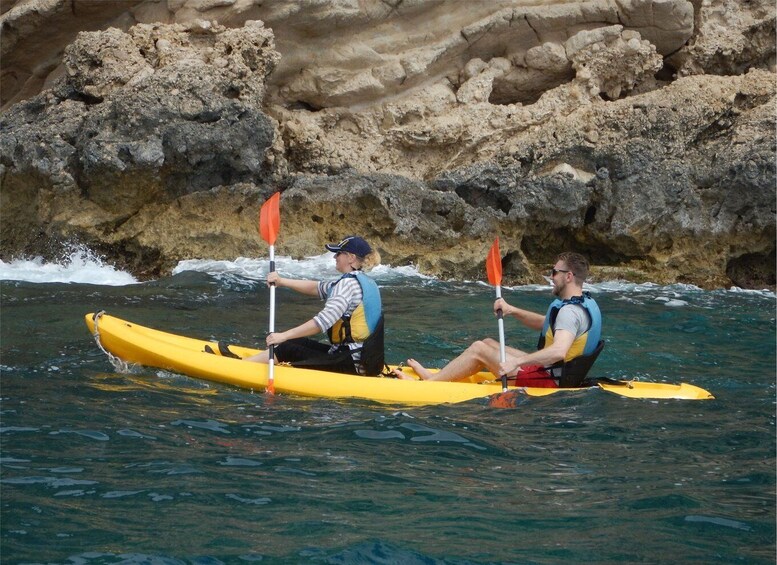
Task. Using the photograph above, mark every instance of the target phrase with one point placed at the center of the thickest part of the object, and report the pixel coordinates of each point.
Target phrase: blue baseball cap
(351, 244)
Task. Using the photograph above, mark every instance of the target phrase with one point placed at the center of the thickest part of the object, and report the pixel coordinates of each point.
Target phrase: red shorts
(533, 375)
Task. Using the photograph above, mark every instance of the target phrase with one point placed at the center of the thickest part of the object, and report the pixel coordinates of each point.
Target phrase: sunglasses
(554, 272)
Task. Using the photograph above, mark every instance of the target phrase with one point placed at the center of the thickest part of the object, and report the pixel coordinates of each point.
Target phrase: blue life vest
(364, 319)
(586, 343)
(365, 325)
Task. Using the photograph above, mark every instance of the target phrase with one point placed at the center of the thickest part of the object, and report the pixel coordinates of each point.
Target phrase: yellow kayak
(133, 343)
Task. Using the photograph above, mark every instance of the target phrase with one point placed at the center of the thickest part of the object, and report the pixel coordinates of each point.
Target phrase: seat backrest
(573, 372)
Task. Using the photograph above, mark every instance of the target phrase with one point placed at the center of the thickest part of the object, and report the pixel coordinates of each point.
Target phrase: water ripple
(91, 434)
(725, 522)
(211, 425)
(245, 500)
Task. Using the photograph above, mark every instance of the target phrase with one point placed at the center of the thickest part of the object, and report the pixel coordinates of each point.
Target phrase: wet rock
(639, 132)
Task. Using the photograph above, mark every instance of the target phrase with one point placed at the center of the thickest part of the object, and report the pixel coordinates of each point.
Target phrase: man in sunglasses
(570, 337)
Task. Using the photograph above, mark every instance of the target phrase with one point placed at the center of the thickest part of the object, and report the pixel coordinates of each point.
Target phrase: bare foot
(398, 373)
(419, 369)
(422, 373)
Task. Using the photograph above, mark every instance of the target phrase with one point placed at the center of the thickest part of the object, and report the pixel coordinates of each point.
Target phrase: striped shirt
(345, 295)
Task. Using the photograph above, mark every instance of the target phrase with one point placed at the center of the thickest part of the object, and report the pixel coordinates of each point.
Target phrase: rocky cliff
(639, 132)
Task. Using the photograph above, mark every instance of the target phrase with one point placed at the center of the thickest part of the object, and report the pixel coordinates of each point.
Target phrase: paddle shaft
(271, 350)
(501, 322)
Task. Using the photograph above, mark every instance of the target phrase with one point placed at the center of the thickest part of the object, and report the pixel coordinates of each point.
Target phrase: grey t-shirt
(572, 318)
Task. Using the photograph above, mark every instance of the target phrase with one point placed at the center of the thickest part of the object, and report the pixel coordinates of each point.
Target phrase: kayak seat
(574, 372)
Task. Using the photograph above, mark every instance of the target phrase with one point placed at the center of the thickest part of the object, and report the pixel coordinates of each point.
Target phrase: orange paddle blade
(507, 399)
(494, 265)
(270, 218)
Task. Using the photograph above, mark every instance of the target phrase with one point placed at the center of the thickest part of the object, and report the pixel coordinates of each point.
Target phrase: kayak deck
(134, 343)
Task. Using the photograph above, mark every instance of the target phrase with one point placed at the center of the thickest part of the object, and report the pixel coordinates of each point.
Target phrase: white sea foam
(78, 266)
(323, 266)
(762, 292)
(318, 266)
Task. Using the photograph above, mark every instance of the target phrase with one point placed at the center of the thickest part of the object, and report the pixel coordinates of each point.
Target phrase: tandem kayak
(133, 343)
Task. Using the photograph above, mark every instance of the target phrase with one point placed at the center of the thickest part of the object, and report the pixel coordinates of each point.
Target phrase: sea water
(110, 464)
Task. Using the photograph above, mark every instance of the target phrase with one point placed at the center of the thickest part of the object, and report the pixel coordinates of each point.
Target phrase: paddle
(494, 271)
(269, 226)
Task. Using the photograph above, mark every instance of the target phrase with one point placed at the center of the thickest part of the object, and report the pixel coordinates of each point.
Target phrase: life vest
(364, 319)
(587, 342)
(365, 325)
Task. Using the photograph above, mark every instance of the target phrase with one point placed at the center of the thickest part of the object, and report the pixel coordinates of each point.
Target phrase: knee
(477, 348)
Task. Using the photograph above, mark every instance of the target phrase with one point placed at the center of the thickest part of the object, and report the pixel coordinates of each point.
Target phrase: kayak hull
(133, 343)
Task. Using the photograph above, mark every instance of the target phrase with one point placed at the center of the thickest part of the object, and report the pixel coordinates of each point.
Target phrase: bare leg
(511, 353)
(263, 357)
(478, 355)
(424, 373)
(508, 350)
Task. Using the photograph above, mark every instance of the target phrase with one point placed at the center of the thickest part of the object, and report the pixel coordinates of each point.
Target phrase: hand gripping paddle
(494, 271)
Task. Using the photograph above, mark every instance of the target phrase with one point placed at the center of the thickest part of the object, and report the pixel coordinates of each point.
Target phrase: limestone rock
(343, 54)
(729, 40)
(640, 132)
(137, 123)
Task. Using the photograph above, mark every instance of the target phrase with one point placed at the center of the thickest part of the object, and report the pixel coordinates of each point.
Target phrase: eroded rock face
(348, 53)
(728, 40)
(142, 119)
(429, 127)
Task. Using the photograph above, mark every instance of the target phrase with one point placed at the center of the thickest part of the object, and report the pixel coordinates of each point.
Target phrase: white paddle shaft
(502, 356)
(271, 352)
(501, 322)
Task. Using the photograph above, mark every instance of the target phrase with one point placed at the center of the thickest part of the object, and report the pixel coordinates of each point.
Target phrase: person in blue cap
(352, 317)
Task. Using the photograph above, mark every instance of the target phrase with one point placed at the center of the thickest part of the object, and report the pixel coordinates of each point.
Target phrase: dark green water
(153, 467)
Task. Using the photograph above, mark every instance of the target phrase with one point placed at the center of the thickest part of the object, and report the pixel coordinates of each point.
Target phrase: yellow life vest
(584, 344)
(364, 319)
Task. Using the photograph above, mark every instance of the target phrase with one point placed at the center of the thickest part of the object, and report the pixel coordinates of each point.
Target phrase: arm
(302, 286)
(336, 305)
(303, 330)
(531, 320)
(562, 341)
